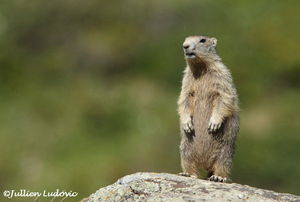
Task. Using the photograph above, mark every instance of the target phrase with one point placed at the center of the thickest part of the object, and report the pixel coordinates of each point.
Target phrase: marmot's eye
(202, 41)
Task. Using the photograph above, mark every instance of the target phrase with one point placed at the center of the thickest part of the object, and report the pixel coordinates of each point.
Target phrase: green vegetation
(89, 89)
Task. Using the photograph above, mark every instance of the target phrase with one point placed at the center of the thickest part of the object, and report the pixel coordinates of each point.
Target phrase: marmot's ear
(214, 41)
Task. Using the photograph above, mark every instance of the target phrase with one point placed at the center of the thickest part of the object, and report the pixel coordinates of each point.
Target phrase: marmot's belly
(201, 116)
(205, 145)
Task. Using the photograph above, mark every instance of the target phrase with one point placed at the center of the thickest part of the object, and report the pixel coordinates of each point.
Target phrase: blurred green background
(89, 89)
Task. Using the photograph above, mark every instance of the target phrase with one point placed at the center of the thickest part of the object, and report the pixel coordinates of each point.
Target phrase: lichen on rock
(165, 187)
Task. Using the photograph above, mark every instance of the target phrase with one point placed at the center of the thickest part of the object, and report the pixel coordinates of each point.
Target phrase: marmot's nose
(185, 46)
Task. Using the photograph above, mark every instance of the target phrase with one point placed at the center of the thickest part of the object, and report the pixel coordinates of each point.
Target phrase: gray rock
(156, 187)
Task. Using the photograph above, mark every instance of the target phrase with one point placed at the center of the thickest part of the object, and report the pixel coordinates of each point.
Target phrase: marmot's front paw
(214, 124)
(188, 126)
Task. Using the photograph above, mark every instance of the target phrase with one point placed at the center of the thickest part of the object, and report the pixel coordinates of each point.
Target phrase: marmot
(208, 110)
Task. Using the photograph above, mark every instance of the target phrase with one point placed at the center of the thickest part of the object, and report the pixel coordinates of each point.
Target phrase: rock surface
(169, 187)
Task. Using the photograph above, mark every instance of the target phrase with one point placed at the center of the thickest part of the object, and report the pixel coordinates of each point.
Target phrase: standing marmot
(208, 110)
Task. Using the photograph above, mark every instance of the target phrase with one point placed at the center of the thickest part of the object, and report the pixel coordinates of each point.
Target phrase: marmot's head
(199, 47)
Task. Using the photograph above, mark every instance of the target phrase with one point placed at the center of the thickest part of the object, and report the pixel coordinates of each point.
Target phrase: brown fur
(208, 110)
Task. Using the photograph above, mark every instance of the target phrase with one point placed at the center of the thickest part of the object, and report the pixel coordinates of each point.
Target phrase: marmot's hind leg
(220, 173)
(221, 168)
(189, 169)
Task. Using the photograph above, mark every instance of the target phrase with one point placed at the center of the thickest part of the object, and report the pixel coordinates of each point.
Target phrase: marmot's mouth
(190, 55)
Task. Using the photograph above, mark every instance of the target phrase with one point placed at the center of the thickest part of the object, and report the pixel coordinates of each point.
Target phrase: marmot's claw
(188, 127)
(184, 174)
(213, 127)
(187, 175)
(216, 178)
